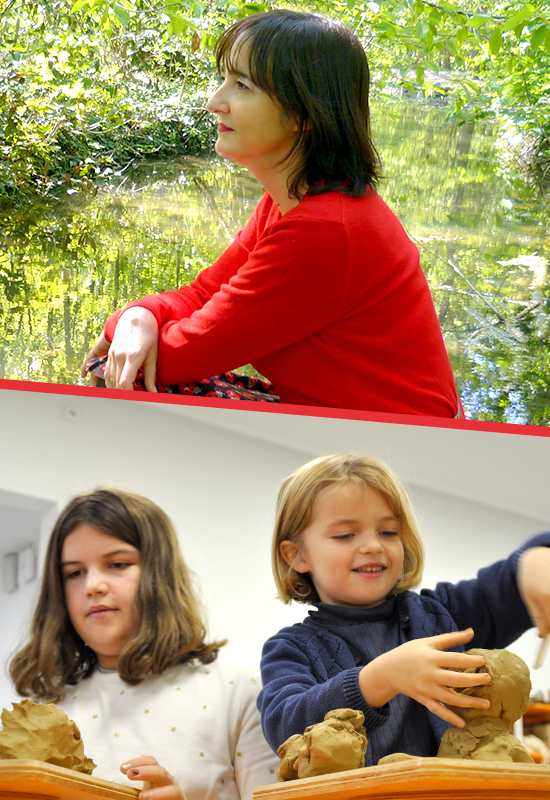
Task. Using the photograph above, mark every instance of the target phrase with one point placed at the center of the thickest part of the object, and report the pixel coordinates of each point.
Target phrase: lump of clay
(337, 744)
(486, 736)
(43, 733)
(393, 758)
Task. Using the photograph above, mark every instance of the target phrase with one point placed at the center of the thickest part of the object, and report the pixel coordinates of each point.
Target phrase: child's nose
(370, 543)
(96, 583)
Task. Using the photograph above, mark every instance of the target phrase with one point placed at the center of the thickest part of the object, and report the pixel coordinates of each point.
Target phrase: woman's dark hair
(170, 627)
(317, 70)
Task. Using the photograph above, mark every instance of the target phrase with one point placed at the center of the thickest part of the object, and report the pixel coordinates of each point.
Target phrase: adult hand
(100, 349)
(134, 345)
(534, 585)
(158, 784)
(422, 670)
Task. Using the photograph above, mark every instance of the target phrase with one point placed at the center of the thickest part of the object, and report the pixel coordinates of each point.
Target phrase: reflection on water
(65, 265)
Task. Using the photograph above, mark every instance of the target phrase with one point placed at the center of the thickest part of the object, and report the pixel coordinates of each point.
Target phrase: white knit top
(199, 721)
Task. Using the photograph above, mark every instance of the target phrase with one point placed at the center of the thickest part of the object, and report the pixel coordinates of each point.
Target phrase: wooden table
(421, 779)
(35, 780)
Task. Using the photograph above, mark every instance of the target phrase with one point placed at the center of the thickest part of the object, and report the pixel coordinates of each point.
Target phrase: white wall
(219, 486)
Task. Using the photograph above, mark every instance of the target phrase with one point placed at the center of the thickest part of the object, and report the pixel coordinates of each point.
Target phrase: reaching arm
(421, 669)
(493, 603)
(293, 698)
(534, 586)
(297, 691)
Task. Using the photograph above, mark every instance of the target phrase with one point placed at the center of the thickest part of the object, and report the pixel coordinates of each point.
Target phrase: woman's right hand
(158, 784)
(134, 346)
(421, 669)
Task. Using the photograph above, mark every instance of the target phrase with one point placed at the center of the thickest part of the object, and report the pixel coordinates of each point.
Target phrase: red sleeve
(183, 302)
(278, 283)
(291, 285)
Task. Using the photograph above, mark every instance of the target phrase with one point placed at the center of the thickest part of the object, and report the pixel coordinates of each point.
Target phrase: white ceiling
(509, 471)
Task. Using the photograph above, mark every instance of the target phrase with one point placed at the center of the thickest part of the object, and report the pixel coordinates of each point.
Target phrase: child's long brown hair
(171, 629)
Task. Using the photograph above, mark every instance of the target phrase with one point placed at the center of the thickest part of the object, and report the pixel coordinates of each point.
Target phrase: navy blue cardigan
(308, 671)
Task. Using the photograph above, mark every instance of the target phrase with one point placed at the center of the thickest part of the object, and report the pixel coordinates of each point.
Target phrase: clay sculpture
(338, 743)
(486, 735)
(43, 733)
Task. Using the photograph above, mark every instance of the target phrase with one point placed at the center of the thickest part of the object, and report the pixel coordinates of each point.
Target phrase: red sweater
(328, 301)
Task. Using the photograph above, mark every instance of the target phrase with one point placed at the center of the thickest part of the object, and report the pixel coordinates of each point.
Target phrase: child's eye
(75, 573)
(241, 86)
(343, 536)
(116, 565)
(389, 533)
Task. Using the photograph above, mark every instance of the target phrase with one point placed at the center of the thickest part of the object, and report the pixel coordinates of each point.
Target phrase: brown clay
(43, 733)
(486, 736)
(338, 743)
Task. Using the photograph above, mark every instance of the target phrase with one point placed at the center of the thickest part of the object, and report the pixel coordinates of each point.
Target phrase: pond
(482, 233)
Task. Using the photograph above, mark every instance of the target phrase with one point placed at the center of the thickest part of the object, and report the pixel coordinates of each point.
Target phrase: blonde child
(346, 540)
(118, 642)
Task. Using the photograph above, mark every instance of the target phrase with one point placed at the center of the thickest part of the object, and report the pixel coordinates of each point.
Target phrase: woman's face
(101, 575)
(253, 129)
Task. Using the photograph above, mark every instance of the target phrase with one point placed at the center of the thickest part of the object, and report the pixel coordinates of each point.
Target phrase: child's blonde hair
(295, 509)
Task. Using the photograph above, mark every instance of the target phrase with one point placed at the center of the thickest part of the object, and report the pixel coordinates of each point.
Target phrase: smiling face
(253, 129)
(352, 547)
(101, 575)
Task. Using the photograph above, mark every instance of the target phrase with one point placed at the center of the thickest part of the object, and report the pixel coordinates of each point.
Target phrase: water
(482, 231)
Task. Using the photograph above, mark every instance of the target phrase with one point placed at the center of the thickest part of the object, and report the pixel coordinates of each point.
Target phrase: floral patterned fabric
(229, 385)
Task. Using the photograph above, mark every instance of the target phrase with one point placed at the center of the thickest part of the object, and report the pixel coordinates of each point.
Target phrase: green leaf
(519, 19)
(478, 20)
(78, 5)
(495, 41)
(122, 15)
(429, 40)
(178, 24)
(538, 36)
(422, 28)
(461, 35)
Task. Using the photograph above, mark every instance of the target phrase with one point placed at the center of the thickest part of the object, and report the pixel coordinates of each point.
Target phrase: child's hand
(534, 585)
(158, 784)
(422, 670)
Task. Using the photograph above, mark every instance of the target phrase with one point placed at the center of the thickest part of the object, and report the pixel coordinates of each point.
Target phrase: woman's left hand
(534, 585)
(158, 784)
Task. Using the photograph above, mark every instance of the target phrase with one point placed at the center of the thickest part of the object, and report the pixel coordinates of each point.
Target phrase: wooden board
(35, 780)
(421, 779)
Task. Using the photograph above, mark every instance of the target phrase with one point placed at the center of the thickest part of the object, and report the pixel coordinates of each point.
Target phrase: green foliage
(491, 59)
(65, 265)
(68, 110)
(86, 85)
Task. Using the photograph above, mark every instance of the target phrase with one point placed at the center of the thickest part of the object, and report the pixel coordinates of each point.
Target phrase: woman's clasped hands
(158, 784)
(134, 347)
(423, 670)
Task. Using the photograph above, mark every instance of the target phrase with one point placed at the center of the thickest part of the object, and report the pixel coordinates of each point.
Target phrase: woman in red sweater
(322, 291)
